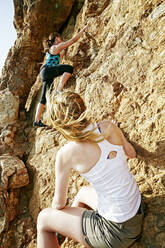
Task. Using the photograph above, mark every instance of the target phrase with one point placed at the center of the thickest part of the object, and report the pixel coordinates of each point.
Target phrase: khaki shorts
(102, 233)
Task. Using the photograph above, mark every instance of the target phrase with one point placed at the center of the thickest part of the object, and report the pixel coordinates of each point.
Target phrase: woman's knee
(79, 198)
(42, 218)
(70, 69)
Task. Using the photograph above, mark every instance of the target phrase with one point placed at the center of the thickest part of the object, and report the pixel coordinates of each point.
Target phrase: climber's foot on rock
(39, 124)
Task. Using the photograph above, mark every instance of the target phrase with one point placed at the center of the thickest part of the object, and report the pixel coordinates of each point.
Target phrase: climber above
(54, 48)
(107, 213)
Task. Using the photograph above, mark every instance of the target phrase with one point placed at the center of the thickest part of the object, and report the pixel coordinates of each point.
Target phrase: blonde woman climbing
(108, 212)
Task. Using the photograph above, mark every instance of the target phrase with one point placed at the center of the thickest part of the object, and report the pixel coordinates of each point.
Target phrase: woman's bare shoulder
(70, 149)
(54, 49)
(111, 131)
(66, 147)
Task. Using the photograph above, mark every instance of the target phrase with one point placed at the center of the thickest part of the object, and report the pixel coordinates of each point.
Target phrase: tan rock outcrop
(119, 71)
(9, 106)
(118, 66)
(14, 175)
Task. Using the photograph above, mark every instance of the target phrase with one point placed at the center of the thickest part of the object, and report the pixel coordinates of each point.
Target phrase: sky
(7, 30)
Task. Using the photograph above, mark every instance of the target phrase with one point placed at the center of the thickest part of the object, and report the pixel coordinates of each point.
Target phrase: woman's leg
(86, 197)
(66, 221)
(66, 72)
(40, 107)
(64, 79)
(39, 111)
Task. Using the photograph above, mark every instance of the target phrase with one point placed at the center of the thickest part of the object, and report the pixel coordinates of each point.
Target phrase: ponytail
(47, 43)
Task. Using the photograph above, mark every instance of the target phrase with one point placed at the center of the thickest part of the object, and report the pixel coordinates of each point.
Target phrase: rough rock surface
(14, 175)
(9, 106)
(119, 70)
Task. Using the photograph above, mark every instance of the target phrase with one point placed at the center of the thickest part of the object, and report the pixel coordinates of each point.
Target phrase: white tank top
(118, 195)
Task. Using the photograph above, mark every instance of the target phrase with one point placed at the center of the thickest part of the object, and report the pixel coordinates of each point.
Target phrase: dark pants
(48, 73)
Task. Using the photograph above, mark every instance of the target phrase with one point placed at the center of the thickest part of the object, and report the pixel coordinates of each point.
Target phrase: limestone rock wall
(119, 70)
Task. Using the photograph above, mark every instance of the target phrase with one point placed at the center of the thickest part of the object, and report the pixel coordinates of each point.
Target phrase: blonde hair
(67, 114)
(48, 42)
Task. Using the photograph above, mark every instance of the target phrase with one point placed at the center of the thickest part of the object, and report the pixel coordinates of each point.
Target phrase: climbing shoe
(39, 124)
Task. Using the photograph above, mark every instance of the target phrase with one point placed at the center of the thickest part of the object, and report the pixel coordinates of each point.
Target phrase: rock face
(9, 106)
(119, 70)
(14, 175)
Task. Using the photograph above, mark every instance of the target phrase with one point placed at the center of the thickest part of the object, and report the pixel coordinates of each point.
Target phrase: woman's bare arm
(128, 148)
(61, 183)
(114, 134)
(55, 49)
